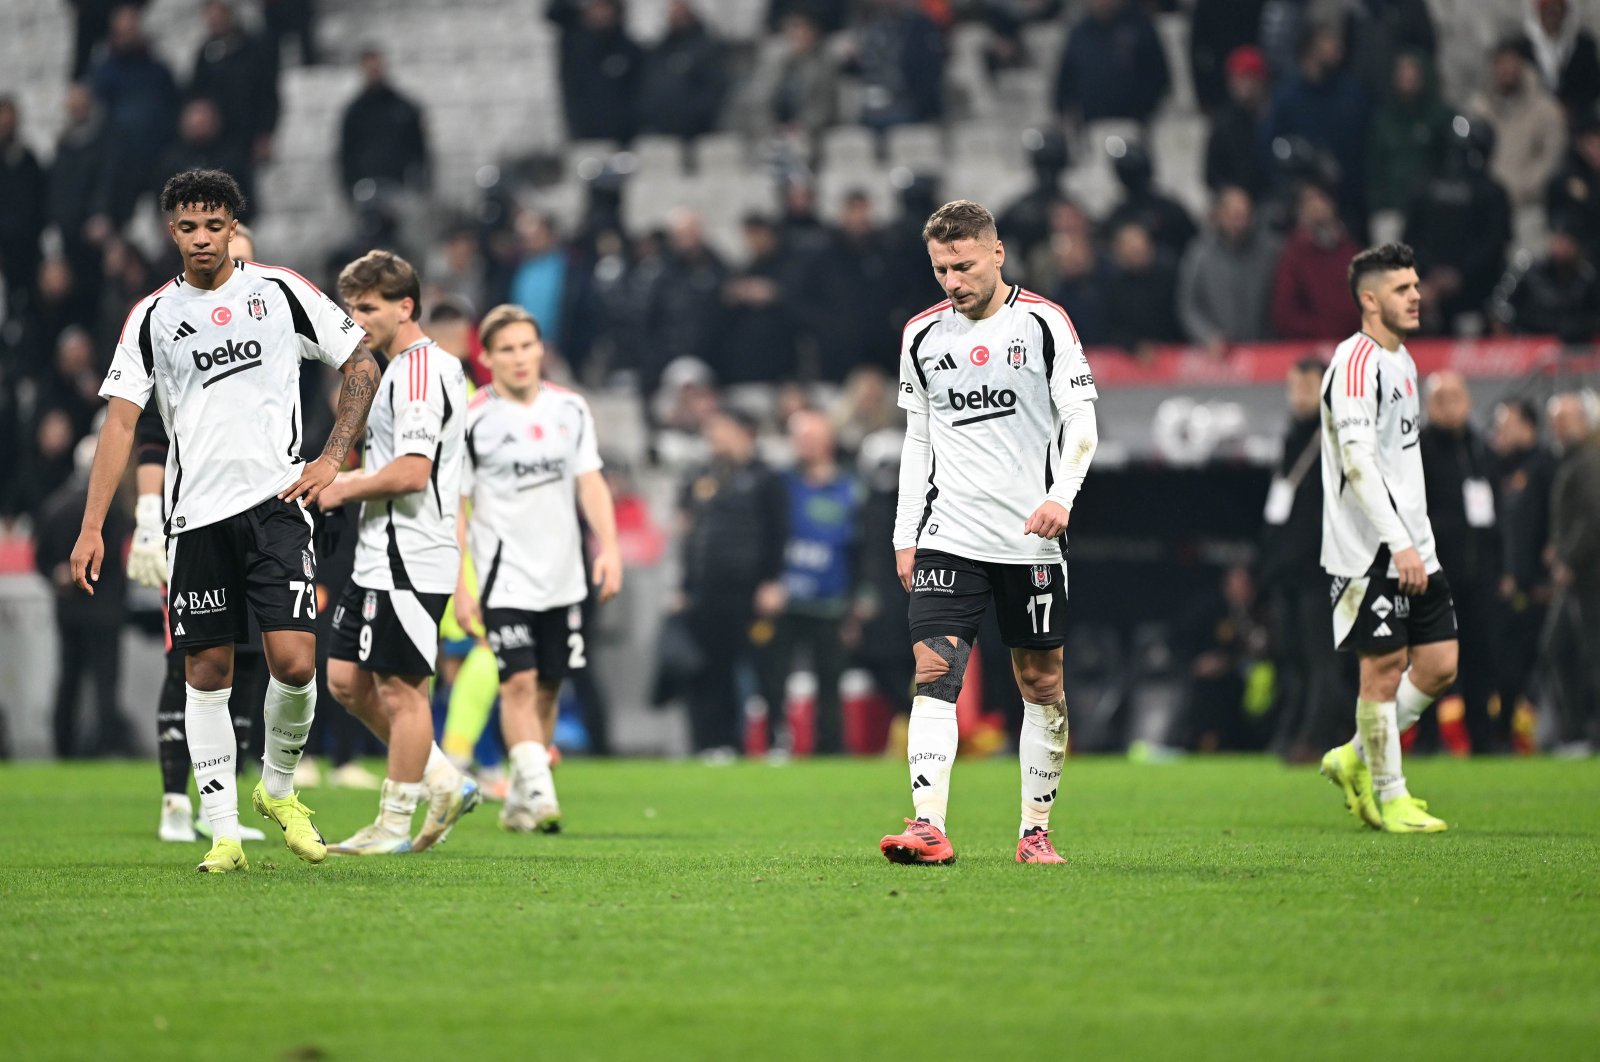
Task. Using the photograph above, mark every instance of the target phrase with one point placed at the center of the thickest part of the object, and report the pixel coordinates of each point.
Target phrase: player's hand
(335, 494)
(905, 565)
(86, 557)
(1048, 520)
(608, 574)
(312, 482)
(147, 557)
(1413, 576)
(468, 614)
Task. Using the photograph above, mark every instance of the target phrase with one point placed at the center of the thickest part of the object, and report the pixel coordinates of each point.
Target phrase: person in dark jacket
(23, 195)
(1142, 292)
(684, 77)
(1564, 54)
(1113, 65)
(1558, 295)
(1459, 471)
(80, 187)
(88, 629)
(1314, 680)
(852, 279)
(238, 71)
(761, 322)
(1163, 217)
(600, 67)
(1525, 471)
(381, 138)
(1572, 635)
(1459, 226)
(1323, 104)
(899, 55)
(1409, 135)
(1574, 192)
(140, 99)
(733, 520)
(1233, 147)
(1217, 30)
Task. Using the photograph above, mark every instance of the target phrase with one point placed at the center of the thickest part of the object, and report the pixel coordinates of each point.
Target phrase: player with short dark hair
(533, 465)
(385, 638)
(1391, 602)
(219, 347)
(1000, 431)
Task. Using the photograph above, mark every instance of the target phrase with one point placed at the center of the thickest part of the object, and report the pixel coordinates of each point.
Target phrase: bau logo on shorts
(511, 636)
(933, 581)
(200, 602)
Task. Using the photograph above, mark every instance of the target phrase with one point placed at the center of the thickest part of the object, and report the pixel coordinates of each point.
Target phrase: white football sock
(931, 740)
(212, 752)
(530, 772)
(288, 711)
(1410, 703)
(1041, 751)
(439, 773)
(1375, 722)
(398, 804)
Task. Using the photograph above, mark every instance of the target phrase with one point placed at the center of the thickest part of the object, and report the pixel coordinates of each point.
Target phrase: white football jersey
(521, 474)
(409, 543)
(993, 391)
(235, 432)
(1370, 400)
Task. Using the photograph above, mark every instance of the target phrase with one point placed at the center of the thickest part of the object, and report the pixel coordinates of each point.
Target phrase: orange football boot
(922, 842)
(1034, 847)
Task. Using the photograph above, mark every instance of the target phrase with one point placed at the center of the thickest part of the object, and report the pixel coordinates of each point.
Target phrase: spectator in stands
(819, 576)
(72, 387)
(1409, 136)
(450, 324)
(88, 628)
(686, 312)
(1225, 278)
(1573, 635)
(1025, 224)
(540, 282)
(1574, 192)
(1459, 472)
(684, 77)
(898, 53)
(1525, 470)
(1223, 638)
(761, 318)
(1164, 218)
(238, 71)
(23, 195)
(1310, 293)
(852, 279)
(141, 104)
(866, 405)
(1558, 295)
(599, 69)
(1564, 55)
(1008, 21)
(80, 187)
(1314, 687)
(1065, 221)
(457, 268)
(1113, 65)
(201, 145)
(1233, 147)
(381, 139)
(1379, 31)
(1460, 226)
(829, 16)
(1218, 29)
(291, 18)
(1323, 104)
(57, 304)
(797, 90)
(1529, 127)
(92, 23)
(1141, 293)
(880, 599)
(1082, 286)
(732, 515)
(128, 277)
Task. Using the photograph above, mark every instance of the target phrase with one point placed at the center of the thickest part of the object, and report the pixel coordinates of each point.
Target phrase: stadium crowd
(1327, 129)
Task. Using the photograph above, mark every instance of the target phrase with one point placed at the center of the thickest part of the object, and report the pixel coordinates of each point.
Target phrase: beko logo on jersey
(545, 466)
(1001, 402)
(248, 352)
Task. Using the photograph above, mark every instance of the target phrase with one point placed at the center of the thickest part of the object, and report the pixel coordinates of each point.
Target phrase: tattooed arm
(360, 373)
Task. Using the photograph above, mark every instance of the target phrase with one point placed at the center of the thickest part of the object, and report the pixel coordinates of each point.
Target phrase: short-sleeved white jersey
(1371, 402)
(993, 391)
(224, 367)
(521, 474)
(409, 543)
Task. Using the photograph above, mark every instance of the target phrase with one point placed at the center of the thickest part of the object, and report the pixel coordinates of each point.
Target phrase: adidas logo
(213, 786)
(1381, 631)
(185, 329)
(1046, 799)
(178, 631)
(946, 362)
(922, 780)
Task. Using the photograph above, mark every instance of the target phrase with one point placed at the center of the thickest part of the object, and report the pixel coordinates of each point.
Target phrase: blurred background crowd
(713, 207)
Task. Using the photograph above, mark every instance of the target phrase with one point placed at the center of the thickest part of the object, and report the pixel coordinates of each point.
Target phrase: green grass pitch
(1223, 908)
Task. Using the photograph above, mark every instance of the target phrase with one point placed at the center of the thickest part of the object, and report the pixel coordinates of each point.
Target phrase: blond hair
(506, 313)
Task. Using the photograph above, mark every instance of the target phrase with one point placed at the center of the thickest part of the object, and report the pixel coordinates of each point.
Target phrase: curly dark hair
(1381, 259)
(207, 189)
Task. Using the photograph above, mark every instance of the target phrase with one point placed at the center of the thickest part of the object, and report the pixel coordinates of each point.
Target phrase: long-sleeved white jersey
(1374, 502)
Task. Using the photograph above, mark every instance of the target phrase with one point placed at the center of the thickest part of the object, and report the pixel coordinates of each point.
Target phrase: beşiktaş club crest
(306, 564)
(369, 606)
(1041, 575)
(1017, 354)
(256, 307)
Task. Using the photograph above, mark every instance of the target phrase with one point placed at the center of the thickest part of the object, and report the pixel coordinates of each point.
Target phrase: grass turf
(1223, 908)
